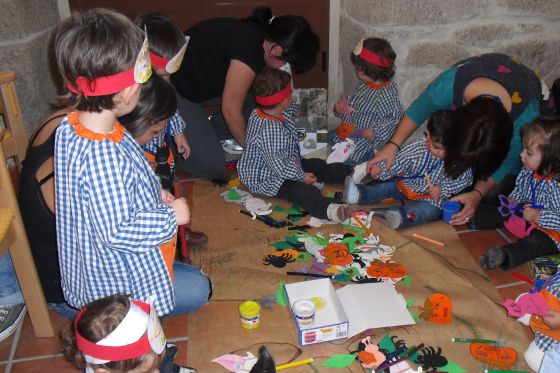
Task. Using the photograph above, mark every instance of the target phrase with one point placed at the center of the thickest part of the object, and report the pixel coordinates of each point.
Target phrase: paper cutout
(281, 296)
(430, 358)
(437, 309)
(279, 259)
(452, 367)
(386, 343)
(406, 281)
(532, 303)
(515, 98)
(175, 62)
(410, 302)
(233, 183)
(234, 192)
(156, 337)
(337, 254)
(370, 357)
(519, 227)
(501, 357)
(341, 151)
(504, 70)
(414, 316)
(339, 361)
(257, 206)
(143, 66)
(236, 363)
(344, 130)
(281, 245)
(389, 271)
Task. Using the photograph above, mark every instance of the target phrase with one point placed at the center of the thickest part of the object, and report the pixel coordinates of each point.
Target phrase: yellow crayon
(294, 364)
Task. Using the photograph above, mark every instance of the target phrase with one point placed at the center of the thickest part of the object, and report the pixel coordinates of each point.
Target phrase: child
(375, 109)
(117, 335)
(167, 49)
(537, 190)
(272, 164)
(420, 173)
(115, 226)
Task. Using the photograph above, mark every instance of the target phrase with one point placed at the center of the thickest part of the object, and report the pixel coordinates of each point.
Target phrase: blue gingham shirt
(413, 161)
(175, 125)
(542, 341)
(110, 221)
(271, 153)
(546, 193)
(380, 110)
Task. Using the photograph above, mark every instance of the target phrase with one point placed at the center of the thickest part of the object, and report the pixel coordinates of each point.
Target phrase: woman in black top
(222, 59)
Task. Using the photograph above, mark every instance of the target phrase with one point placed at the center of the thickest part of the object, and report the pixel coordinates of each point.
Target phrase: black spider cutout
(220, 182)
(364, 279)
(278, 261)
(430, 359)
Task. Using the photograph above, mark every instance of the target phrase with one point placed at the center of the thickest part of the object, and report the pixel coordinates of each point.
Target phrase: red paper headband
(158, 61)
(276, 98)
(374, 58)
(113, 353)
(105, 85)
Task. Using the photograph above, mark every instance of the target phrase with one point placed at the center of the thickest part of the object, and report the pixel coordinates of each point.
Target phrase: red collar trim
(540, 177)
(105, 85)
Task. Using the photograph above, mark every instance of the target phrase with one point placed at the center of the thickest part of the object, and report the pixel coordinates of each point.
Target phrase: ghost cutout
(257, 206)
(341, 151)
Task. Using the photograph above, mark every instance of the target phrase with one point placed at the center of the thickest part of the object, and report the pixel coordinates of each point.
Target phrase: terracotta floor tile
(511, 292)
(58, 365)
(478, 242)
(5, 348)
(29, 345)
(175, 327)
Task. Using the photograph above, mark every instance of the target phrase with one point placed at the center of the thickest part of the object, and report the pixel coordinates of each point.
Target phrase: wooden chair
(15, 139)
(13, 142)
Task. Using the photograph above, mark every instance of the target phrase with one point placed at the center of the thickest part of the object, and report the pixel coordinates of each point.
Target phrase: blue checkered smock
(542, 192)
(271, 153)
(413, 161)
(175, 125)
(380, 110)
(110, 221)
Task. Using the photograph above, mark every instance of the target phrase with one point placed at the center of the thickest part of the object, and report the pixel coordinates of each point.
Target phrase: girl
(537, 192)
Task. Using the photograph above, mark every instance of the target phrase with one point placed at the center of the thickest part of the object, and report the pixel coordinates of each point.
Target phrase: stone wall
(430, 35)
(25, 26)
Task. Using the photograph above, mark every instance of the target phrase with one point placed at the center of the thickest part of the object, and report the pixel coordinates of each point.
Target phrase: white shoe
(232, 147)
(394, 218)
(359, 173)
(338, 213)
(351, 192)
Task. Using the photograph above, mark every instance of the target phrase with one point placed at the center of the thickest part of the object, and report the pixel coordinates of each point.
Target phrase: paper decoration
(175, 62)
(410, 302)
(143, 66)
(337, 254)
(341, 151)
(370, 357)
(386, 271)
(344, 106)
(237, 195)
(339, 361)
(530, 303)
(236, 363)
(501, 357)
(281, 245)
(386, 343)
(344, 130)
(281, 297)
(437, 309)
(452, 367)
(257, 206)
(406, 281)
(431, 358)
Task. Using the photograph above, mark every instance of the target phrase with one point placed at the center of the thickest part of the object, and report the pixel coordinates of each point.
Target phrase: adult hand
(531, 214)
(182, 212)
(385, 154)
(553, 319)
(183, 147)
(470, 201)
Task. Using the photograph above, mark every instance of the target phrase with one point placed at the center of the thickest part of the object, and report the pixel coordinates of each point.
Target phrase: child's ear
(129, 92)
(277, 51)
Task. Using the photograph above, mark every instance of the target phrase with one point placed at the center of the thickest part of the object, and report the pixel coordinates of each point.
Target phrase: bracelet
(479, 193)
(394, 143)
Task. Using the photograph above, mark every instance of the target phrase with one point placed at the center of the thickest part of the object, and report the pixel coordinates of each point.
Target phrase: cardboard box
(348, 310)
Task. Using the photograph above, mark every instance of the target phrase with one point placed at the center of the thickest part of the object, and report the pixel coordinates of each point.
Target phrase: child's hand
(343, 107)
(368, 134)
(166, 196)
(553, 319)
(182, 212)
(183, 147)
(531, 214)
(373, 169)
(435, 192)
(309, 178)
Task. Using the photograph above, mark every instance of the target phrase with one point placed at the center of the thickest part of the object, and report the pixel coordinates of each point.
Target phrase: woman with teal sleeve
(492, 96)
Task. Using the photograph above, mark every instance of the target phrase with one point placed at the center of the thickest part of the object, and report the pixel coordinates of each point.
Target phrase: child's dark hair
(269, 82)
(293, 33)
(96, 43)
(546, 131)
(101, 318)
(383, 48)
(157, 102)
(479, 136)
(164, 36)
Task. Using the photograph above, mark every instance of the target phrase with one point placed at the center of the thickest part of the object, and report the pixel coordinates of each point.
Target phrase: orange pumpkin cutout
(437, 309)
(337, 254)
(291, 253)
(501, 357)
(393, 271)
(344, 130)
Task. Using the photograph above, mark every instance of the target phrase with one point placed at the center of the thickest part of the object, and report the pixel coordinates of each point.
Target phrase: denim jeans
(10, 295)
(416, 213)
(192, 289)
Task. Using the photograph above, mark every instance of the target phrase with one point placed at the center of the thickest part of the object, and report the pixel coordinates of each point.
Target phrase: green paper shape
(304, 257)
(407, 280)
(282, 245)
(320, 240)
(351, 271)
(410, 302)
(292, 211)
(452, 367)
(295, 218)
(233, 195)
(292, 239)
(342, 278)
(339, 361)
(281, 296)
(352, 242)
(278, 208)
(329, 195)
(349, 227)
(386, 343)
(414, 316)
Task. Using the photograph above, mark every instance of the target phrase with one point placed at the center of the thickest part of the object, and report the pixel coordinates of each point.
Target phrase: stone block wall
(430, 35)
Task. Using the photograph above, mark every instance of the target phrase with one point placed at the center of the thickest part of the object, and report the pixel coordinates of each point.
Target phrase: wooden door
(188, 12)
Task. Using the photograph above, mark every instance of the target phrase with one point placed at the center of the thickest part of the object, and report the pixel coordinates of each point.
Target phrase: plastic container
(450, 208)
(250, 315)
(304, 310)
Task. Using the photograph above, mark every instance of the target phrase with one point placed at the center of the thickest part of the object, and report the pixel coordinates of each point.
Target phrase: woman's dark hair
(101, 318)
(293, 33)
(270, 81)
(546, 130)
(164, 36)
(157, 102)
(438, 124)
(383, 48)
(94, 44)
(479, 137)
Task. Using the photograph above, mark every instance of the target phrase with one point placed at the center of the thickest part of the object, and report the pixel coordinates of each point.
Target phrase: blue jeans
(10, 295)
(192, 289)
(416, 213)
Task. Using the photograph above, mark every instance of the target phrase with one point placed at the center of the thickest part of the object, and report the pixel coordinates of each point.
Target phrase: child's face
(531, 155)
(436, 148)
(151, 133)
(361, 76)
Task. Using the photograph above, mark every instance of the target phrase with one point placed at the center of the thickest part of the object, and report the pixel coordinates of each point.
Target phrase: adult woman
(222, 59)
(508, 85)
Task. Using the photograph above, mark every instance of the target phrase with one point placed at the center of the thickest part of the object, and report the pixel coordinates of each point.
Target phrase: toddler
(537, 192)
(371, 115)
(272, 164)
(422, 172)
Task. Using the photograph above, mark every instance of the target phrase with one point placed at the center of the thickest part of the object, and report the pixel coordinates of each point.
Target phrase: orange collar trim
(540, 177)
(262, 114)
(115, 136)
(378, 85)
